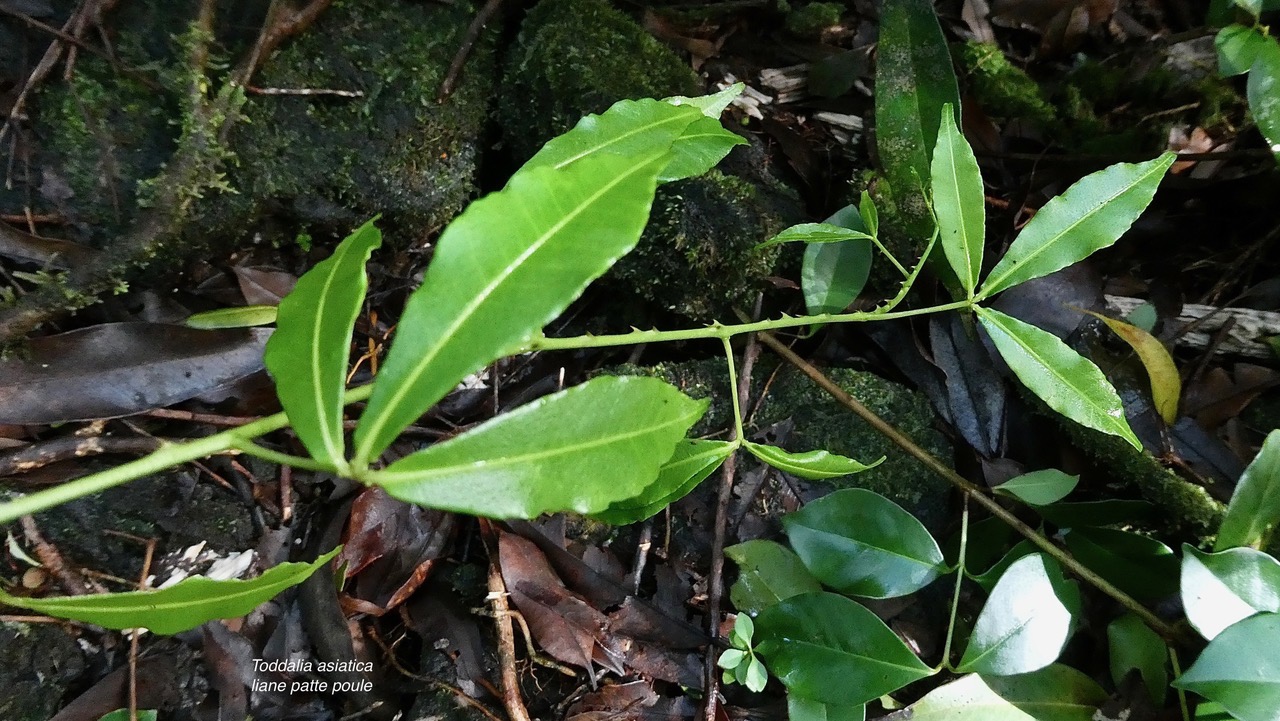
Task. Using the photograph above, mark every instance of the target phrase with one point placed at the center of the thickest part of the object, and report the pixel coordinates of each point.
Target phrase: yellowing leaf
(1166, 384)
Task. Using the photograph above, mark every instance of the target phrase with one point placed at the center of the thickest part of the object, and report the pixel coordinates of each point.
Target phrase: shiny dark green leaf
(1219, 589)
(862, 544)
(802, 709)
(1140, 566)
(1054, 693)
(833, 274)
(1240, 669)
(1238, 48)
(1134, 645)
(1254, 509)
(1026, 621)
(768, 572)
(830, 649)
(1039, 488)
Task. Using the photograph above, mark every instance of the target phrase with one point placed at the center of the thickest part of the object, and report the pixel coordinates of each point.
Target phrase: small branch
(469, 39)
(506, 636)
(41, 454)
(1157, 624)
(51, 559)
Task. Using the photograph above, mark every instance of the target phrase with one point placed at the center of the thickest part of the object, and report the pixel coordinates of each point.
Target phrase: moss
(697, 256)
(817, 421)
(1001, 88)
(575, 57)
(396, 150)
(808, 21)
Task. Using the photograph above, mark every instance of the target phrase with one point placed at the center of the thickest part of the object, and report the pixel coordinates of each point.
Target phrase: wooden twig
(41, 454)
(715, 584)
(49, 557)
(511, 699)
(390, 655)
(133, 636)
(469, 39)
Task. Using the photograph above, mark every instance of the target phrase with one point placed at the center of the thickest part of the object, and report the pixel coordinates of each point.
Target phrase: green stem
(167, 457)
(884, 311)
(889, 256)
(733, 385)
(955, 598)
(718, 330)
(249, 448)
(1182, 695)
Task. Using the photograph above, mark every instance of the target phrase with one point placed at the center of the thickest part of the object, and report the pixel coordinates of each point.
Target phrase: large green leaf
(691, 463)
(958, 202)
(581, 449)
(1066, 381)
(1140, 566)
(813, 465)
(861, 543)
(833, 274)
(1026, 621)
(507, 266)
(180, 607)
(768, 572)
(1255, 504)
(1263, 89)
(1240, 669)
(307, 355)
(1039, 488)
(1133, 644)
(802, 709)
(914, 80)
(1092, 214)
(832, 650)
(1219, 589)
(633, 128)
(1054, 693)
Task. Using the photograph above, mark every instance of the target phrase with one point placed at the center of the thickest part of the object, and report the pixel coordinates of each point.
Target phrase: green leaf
(1166, 384)
(868, 213)
(307, 355)
(989, 578)
(756, 677)
(830, 649)
(1039, 488)
(768, 572)
(1253, 7)
(634, 128)
(743, 630)
(1263, 90)
(691, 463)
(1066, 381)
(1054, 693)
(1026, 621)
(245, 316)
(1091, 215)
(581, 450)
(180, 607)
(803, 709)
(1255, 504)
(958, 202)
(812, 465)
(1240, 669)
(833, 274)
(1219, 589)
(1238, 48)
(731, 658)
(122, 714)
(914, 80)
(1140, 566)
(814, 233)
(862, 544)
(1134, 645)
(507, 266)
(714, 105)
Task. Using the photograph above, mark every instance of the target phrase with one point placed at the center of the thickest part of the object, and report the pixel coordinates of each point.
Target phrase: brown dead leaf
(562, 623)
(634, 701)
(390, 549)
(700, 49)
(264, 286)
(1061, 23)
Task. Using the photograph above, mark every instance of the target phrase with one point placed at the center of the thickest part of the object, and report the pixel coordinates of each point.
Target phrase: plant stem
(250, 448)
(955, 598)
(1157, 624)
(733, 384)
(1182, 695)
(719, 330)
(169, 455)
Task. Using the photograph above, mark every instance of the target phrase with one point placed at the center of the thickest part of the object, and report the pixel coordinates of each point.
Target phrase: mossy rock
(318, 161)
(809, 20)
(698, 255)
(576, 57)
(1002, 89)
(396, 150)
(819, 422)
